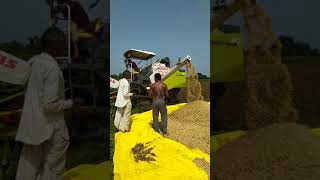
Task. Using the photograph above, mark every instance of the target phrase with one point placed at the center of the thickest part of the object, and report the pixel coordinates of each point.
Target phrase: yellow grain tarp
(172, 159)
(316, 131)
(218, 141)
(101, 171)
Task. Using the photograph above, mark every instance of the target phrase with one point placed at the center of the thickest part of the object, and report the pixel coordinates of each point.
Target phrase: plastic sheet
(101, 171)
(172, 159)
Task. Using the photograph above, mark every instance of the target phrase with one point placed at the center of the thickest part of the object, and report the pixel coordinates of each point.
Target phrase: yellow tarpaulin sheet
(101, 171)
(218, 141)
(172, 159)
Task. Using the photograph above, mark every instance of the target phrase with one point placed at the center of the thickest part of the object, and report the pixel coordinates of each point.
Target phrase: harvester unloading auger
(267, 79)
(182, 82)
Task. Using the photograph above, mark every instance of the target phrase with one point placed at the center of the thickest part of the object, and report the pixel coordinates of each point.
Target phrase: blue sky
(294, 18)
(169, 28)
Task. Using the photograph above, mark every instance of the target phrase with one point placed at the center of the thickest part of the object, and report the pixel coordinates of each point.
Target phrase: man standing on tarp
(158, 92)
(42, 128)
(123, 103)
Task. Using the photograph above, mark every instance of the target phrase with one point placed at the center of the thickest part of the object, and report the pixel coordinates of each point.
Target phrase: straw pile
(285, 151)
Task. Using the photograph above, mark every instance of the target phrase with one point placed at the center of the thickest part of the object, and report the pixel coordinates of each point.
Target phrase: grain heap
(192, 92)
(190, 125)
(274, 147)
(285, 151)
(268, 80)
(204, 165)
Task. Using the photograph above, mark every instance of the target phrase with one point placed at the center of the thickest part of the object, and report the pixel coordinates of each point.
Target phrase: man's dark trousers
(159, 106)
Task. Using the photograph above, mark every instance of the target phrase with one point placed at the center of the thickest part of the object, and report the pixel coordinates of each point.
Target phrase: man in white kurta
(123, 103)
(42, 128)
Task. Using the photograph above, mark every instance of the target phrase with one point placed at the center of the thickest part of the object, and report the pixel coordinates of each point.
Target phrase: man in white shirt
(123, 103)
(42, 128)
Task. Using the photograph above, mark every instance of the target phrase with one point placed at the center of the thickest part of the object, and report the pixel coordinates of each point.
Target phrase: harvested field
(190, 125)
(280, 152)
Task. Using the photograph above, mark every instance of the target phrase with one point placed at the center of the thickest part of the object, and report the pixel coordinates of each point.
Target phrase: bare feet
(165, 134)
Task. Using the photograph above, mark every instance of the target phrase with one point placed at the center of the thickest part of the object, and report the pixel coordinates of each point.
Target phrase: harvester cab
(142, 78)
(137, 73)
(175, 77)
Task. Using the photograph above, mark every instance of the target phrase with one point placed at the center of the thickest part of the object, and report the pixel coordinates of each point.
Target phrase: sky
(297, 19)
(20, 19)
(176, 19)
(169, 28)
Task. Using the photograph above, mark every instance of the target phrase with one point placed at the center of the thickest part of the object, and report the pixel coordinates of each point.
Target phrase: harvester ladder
(73, 67)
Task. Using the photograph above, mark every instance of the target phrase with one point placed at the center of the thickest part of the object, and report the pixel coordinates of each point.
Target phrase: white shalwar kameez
(42, 128)
(123, 104)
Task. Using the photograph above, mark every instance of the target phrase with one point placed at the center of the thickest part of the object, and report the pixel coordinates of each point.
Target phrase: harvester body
(227, 59)
(174, 77)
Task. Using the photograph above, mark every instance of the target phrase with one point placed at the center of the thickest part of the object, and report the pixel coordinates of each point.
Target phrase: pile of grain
(190, 125)
(204, 165)
(268, 80)
(193, 90)
(269, 101)
(285, 151)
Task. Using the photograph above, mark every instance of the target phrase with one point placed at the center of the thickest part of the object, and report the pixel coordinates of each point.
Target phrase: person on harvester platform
(79, 21)
(135, 69)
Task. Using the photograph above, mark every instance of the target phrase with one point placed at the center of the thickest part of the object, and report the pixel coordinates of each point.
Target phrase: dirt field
(306, 96)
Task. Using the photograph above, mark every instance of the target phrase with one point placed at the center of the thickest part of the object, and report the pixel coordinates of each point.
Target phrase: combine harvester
(174, 77)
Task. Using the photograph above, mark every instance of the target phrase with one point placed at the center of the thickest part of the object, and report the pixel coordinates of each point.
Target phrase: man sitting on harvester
(135, 68)
(80, 22)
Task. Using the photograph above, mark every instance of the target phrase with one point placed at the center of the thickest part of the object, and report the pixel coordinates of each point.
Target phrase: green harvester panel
(227, 62)
(176, 80)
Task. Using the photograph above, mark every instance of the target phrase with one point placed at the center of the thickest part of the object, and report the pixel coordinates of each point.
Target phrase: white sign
(13, 70)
